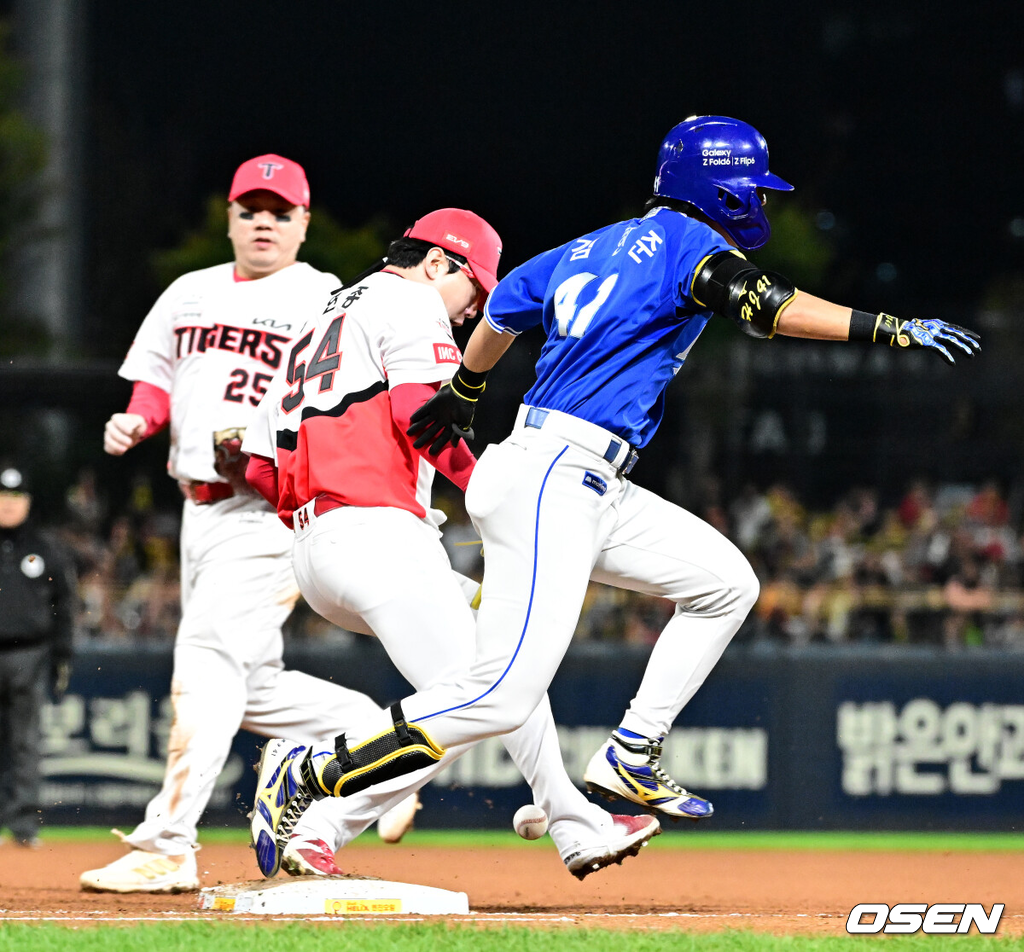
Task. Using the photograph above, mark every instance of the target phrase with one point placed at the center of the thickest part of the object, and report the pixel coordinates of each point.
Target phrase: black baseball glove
(445, 418)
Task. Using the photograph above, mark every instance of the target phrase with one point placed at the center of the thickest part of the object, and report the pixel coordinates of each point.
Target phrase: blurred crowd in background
(943, 566)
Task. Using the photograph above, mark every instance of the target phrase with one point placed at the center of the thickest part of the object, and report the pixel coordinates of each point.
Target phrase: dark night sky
(906, 122)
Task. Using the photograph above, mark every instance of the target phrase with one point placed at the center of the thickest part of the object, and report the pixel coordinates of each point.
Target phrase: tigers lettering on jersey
(260, 345)
(213, 343)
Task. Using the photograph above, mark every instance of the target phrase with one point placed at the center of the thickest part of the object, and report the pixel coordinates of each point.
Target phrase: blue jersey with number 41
(616, 308)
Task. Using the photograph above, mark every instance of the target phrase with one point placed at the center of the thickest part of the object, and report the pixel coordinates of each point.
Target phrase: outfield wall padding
(887, 738)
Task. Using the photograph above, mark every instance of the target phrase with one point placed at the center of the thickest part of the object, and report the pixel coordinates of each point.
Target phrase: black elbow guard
(730, 285)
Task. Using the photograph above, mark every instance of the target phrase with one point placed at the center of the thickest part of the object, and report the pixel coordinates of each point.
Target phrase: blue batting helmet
(718, 164)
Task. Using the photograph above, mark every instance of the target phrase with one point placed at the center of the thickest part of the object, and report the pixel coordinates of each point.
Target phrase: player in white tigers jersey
(201, 361)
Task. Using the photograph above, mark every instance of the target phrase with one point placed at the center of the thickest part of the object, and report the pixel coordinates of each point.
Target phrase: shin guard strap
(401, 727)
(341, 752)
(309, 778)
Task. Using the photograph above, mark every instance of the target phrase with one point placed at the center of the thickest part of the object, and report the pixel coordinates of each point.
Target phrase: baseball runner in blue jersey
(621, 308)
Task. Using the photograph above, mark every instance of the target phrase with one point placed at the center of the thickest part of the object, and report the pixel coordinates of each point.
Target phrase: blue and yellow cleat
(628, 767)
(281, 798)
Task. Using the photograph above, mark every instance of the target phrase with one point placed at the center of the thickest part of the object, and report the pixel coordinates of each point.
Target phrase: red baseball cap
(274, 173)
(466, 234)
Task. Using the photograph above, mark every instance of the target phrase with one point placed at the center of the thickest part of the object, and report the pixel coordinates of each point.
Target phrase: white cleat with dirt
(630, 835)
(142, 872)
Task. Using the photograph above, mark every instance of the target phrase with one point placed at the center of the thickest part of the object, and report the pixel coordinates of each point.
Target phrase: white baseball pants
(237, 589)
(553, 513)
(389, 567)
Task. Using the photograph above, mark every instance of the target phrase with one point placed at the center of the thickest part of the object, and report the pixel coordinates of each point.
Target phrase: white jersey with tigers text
(214, 343)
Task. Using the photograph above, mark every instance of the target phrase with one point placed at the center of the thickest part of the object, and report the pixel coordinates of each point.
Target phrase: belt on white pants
(587, 436)
(305, 515)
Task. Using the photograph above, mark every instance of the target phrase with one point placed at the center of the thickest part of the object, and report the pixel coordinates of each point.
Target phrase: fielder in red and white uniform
(201, 360)
(366, 540)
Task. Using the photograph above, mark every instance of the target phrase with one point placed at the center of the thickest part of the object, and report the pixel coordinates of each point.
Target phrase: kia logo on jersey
(456, 240)
(447, 354)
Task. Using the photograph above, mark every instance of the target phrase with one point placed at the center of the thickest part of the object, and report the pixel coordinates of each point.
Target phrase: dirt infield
(784, 893)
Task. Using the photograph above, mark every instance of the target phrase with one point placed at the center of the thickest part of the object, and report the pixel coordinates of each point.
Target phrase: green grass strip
(844, 840)
(738, 840)
(672, 839)
(359, 937)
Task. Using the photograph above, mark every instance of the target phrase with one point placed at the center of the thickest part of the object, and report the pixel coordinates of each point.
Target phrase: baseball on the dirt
(530, 822)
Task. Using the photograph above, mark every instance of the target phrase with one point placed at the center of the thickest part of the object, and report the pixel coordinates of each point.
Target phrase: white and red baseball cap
(274, 173)
(466, 234)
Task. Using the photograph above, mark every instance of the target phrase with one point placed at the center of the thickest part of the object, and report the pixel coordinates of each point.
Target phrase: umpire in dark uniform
(37, 598)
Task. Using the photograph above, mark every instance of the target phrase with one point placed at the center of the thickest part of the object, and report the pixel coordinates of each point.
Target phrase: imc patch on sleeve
(447, 354)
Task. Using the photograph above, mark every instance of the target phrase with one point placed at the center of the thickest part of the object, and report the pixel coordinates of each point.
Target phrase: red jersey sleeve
(261, 474)
(153, 404)
(455, 462)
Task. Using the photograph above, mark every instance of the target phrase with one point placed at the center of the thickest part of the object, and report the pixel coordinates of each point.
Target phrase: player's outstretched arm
(766, 303)
(448, 415)
(811, 317)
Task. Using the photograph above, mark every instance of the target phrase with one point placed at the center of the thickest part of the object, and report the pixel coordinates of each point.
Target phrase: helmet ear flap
(729, 200)
(741, 215)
